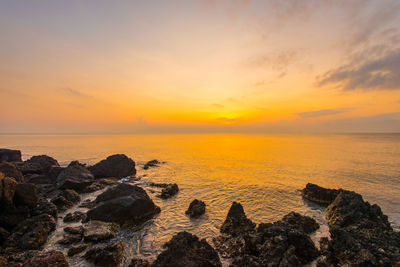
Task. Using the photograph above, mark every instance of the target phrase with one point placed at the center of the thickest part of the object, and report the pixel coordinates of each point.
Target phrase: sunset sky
(199, 66)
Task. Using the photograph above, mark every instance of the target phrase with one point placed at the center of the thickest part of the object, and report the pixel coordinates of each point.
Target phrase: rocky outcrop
(123, 203)
(75, 216)
(66, 199)
(10, 155)
(319, 194)
(118, 166)
(169, 191)
(236, 221)
(45, 207)
(26, 194)
(185, 250)
(10, 170)
(151, 164)
(49, 258)
(196, 208)
(98, 231)
(136, 262)
(77, 249)
(110, 255)
(306, 223)
(76, 176)
(8, 186)
(38, 165)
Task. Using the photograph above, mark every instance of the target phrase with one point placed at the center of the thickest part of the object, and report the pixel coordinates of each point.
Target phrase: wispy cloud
(322, 112)
(76, 93)
(276, 61)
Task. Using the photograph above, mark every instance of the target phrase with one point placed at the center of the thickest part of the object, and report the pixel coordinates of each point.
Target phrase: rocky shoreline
(34, 192)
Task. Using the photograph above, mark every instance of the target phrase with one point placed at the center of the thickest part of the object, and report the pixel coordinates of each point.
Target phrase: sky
(99, 66)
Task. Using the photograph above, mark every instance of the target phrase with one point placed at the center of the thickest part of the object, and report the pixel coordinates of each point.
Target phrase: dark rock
(118, 166)
(4, 234)
(100, 184)
(319, 194)
(88, 204)
(135, 262)
(71, 195)
(151, 163)
(10, 170)
(110, 255)
(3, 261)
(236, 221)
(26, 194)
(10, 155)
(98, 231)
(38, 164)
(186, 250)
(74, 230)
(47, 259)
(38, 179)
(9, 185)
(75, 217)
(75, 177)
(196, 208)
(169, 191)
(306, 223)
(77, 249)
(70, 239)
(123, 203)
(66, 199)
(12, 216)
(45, 207)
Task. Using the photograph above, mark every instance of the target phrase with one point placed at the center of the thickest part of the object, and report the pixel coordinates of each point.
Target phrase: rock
(66, 199)
(319, 194)
(110, 255)
(135, 262)
(100, 184)
(47, 259)
(196, 208)
(151, 163)
(75, 177)
(3, 261)
(26, 194)
(39, 164)
(10, 170)
(186, 250)
(77, 249)
(12, 216)
(75, 217)
(74, 230)
(98, 231)
(32, 233)
(9, 185)
(118, 166)
(236, 221)
(71, 195)
(123, 203)
(306, 223)
(10, 155)
(4, 234)
(88, 204)
(45, 207)
(38, 179)
(70, 239)
(169, 191)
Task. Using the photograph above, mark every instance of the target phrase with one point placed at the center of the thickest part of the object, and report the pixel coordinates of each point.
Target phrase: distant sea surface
(264, 172)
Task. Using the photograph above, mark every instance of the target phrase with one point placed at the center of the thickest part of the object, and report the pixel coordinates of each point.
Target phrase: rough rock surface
(45, 207)
(10, 170)
(118, 166)
(76, 216)
(8, 186)
(66, 199)
(76, 176)
(123, 203)
(169, 191)
(48, 259)
(135, 262)
(98, 231)
(10, 155)
(151, 163)
(306, 223)
(236, 221)
(186, 250)
(196, 208)
(26, 194)
(40, 164)
(319, 194)
(110, 255)
(77, 249)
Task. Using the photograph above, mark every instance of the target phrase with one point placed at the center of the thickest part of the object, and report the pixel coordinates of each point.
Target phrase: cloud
(277, 61)
(228, 120)
(76, 93)
(322, 112)
(218, 105)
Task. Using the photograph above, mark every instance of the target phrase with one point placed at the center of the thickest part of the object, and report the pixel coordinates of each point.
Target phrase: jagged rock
(74, 230)
(75, 217)
(50, 258)
(77, 249)
(123, 203)
(66, 199)
(100, 184)
(135, 262)
(10, 155)
(9, 185)
(10, 170)
(169, 191)
(196, 208)
(186, 250)
(151, 163)
(97, 231)
(118, 166)
(26, 194)
(236, 221)
(88, 204)
(319, 194)
(306, 223)
(110, 255)
(76, 176)
(38, 164)
(45, 207)
(70, 239)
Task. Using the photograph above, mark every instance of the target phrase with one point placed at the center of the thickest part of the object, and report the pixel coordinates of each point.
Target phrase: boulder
(110, 255)
(9, 185)
(66, 199)
(38, 179)
(45, 207)
(4, 234)
(38, 164)
(10, 170)
(196, 208)
(306, 223)
(169, 191)
(70, 195)
(70, 239)
(10, 155)
(236, 221)
(123, 203)
(75, 217)
(118, 166)
(151, 163)
(136, 262)
(319, 194)
(12, 216)
(75, 177)
(186, 250)
(47, 259)
(74, 229)
(77, 249)
(95, 231)
(26, 194)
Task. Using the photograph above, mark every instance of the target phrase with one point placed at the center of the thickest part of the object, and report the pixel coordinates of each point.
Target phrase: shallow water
(262, 172)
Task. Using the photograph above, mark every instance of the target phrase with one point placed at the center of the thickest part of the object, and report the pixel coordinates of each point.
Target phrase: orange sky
(200, 66)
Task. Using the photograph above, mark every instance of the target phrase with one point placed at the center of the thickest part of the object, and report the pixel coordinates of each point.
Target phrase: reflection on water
(263, 172)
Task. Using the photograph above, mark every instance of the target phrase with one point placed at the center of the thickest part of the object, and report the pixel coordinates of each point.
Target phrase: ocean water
(264, 172)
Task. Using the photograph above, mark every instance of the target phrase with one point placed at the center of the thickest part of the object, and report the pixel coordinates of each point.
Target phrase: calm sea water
(263, 172)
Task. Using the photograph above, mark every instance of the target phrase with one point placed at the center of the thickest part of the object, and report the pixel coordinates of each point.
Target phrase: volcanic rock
(26, 194)
(118, 166)
(306, 223)
(110, 255)
(49, 258)
(75, 177)
(169, 191)
(10, 155)
(196, 208)
(10, 170)
(319, 194)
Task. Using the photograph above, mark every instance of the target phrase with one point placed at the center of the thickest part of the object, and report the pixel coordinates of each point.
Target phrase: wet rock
(70, 239)
(26, 194)
(9, 185)
(236, 221)
(71, 195)
(135, 262)
(77, 249)
(123, 203)
(3, 261)
(10, 170)
(10, 155)
(151, 163)
(32, 233)
(45, 207)
(319, 194)
(88, 204)
(74, 230)
(49, 258)
(100, 184)
(76, 176)
(98, 231)
(4, 234)
(196, 208)
(66, 199)
(169, 191)
(75, 217)
(118, 166)
(110, 255)
(12, 216)
(186, 250)
(38, 179)
(38, 164)
(306, 223)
